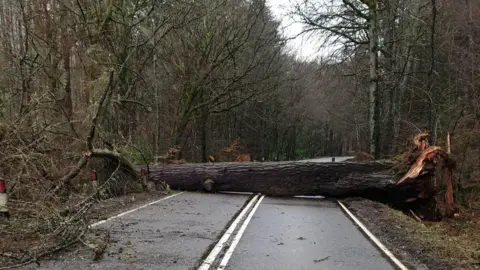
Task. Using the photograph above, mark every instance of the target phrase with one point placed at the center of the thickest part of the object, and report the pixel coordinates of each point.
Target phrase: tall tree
(353, 24)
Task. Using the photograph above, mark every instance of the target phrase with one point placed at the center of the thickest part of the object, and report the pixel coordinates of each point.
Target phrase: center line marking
(235, 241)
(219, 246)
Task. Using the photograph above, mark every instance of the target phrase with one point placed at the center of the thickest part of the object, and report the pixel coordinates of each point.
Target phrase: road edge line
(132, 210)
(219, 246)
(238, 236)
(372, 237)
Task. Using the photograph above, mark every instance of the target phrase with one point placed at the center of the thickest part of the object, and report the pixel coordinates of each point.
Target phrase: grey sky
(302, 46)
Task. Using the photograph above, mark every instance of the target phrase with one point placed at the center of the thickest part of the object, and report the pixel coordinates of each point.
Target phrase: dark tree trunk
(338, 179)
(203, 136)
(372, 180)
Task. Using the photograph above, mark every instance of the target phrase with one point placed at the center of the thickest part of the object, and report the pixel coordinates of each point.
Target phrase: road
(303, 234)
(171, 234)
(230, 231)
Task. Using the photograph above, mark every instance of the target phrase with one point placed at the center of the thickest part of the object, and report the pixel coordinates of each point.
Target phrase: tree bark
(374, 95)
(371, 180)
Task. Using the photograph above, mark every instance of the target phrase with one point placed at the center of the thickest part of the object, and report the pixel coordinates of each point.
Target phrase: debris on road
(321, 260)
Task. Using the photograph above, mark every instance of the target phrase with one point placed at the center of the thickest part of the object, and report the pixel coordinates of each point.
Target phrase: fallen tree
(372, 180)
(406, 185)
(279, 178)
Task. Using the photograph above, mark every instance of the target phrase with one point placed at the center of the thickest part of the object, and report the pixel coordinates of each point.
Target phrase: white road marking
(132, 210)
(221, 243)
(236, 192)
(374, 239)
(309, 197)
(235, 241)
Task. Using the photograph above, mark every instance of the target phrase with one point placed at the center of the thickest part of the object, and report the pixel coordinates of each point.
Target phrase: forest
(138, 78)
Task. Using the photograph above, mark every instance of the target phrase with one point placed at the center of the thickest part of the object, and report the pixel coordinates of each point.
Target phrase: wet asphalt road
(178, 233)
(303, 234)
(171, 234)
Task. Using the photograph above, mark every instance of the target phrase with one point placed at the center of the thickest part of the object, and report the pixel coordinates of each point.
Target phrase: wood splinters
(417, 168)
(416, 217)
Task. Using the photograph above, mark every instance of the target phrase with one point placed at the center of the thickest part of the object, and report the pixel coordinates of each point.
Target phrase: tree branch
(91, 133)
(89, 142)
(356, 10)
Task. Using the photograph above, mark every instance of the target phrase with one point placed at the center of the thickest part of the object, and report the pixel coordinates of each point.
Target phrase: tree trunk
(374, 102)
(370, 180)
(157, 129)
(203, 137)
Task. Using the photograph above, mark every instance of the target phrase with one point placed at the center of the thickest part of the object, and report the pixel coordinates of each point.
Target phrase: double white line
(221, 243)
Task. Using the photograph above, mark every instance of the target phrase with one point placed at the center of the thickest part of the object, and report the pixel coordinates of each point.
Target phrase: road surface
(303, 234)
(171, 234)
(178, 233)
(231, 231)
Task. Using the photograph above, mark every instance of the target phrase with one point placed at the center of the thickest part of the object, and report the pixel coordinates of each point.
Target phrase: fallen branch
(91, 133)
(91, 151)
(82, 163)
(416, 217)
(34, 259)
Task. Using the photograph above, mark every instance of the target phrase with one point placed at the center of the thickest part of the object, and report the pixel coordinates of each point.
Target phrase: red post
(2, 186)
(93, 175)
(3, 199)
